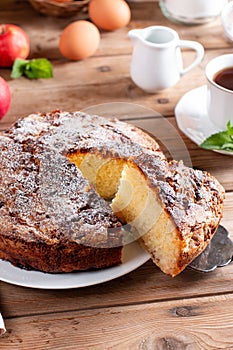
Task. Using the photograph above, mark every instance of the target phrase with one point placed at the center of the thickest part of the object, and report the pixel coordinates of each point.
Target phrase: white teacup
(157, 59)
(192, 11)
(219, 98)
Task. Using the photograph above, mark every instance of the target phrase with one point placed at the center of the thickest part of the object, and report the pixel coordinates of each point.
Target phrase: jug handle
(189, 44)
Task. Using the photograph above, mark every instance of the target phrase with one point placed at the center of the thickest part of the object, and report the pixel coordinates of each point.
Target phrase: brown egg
(79, 40)
(109, 14)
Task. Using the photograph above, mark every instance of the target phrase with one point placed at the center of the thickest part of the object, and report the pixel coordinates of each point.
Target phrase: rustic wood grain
(146, 284)
(76, 85)
(183, 324)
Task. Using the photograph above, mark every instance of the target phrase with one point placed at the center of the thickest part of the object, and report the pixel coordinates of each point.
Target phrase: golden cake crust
(53, 220)
(193, 200)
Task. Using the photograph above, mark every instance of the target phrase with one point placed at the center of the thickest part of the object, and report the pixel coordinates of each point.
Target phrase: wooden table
(144, 309)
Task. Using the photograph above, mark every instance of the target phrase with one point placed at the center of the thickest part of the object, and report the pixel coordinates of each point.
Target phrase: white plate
(133, 257)
(192, 119)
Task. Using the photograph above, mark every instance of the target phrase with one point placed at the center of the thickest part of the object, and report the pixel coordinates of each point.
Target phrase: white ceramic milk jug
(157, 60)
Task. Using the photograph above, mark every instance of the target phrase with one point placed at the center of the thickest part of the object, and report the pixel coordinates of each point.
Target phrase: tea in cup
(192, 11)
(157, 59)
(219, 74)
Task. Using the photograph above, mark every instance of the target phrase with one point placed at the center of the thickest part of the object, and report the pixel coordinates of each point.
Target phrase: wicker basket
(61, 9)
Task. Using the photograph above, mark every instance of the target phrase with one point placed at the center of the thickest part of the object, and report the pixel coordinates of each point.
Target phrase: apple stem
(3, 29)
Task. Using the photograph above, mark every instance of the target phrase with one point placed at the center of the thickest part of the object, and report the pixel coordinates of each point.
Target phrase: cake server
(219, 252)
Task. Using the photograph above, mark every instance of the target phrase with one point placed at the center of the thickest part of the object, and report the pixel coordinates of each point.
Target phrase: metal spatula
(218, 253)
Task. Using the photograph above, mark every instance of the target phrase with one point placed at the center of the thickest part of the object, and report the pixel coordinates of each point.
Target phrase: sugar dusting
(43, 191)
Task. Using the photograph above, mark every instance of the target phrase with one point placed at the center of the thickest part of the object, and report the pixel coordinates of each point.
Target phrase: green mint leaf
(38, 68)
(18, 68)
(216, 141)
(220, 141)
(229, 128)
(228, 146)
(33, 69)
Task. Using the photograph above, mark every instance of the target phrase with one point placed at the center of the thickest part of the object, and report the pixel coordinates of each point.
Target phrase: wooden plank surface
(144, 309)
(146, 284)
(76, 85)
(81, 89)
(183, 324)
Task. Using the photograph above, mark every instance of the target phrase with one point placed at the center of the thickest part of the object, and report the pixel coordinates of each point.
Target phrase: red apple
(14, 43)
(5, 97)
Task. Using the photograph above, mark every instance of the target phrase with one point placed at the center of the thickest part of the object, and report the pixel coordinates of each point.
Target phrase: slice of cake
(175, 209)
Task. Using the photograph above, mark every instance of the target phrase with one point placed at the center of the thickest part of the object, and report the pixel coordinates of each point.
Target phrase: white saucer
(192, 119)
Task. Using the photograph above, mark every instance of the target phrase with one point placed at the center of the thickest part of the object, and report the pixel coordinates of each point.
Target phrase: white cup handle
(196, 47)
